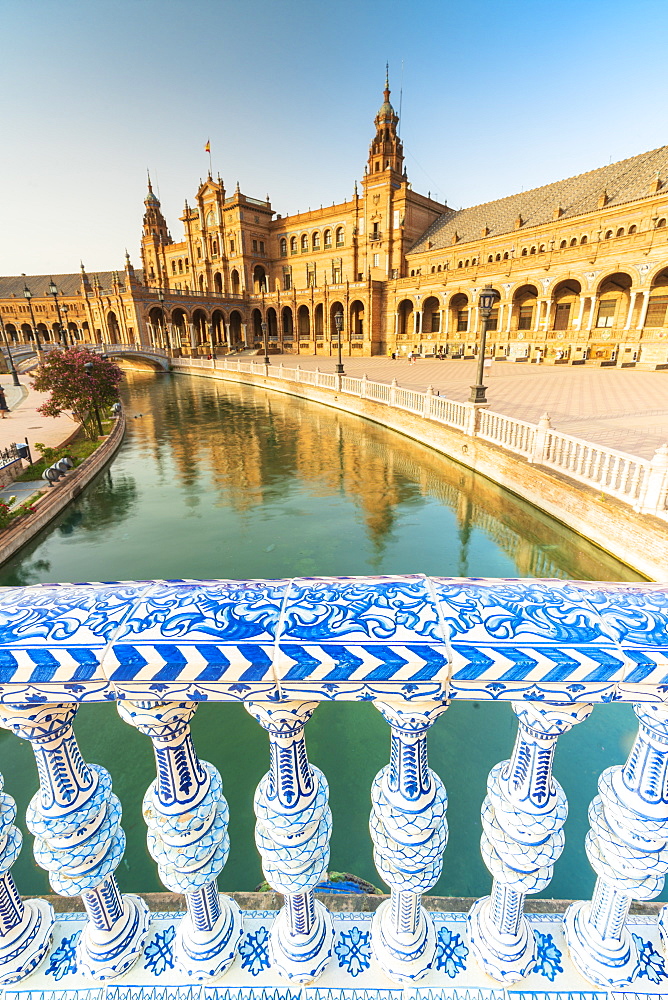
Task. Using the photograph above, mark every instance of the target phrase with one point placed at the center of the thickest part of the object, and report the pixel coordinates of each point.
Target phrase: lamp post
(28, 296)
(67, 333)
(12, 367)
(88, 367)
(161, 298)
(263, 327)
(338, 322)
(488, 297)
(53, 290)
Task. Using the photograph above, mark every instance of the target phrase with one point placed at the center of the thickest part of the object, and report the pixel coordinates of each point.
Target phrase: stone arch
(218, 283)
(235, 281)
(113, 329)
(217, 328)
(259, 279)
(335, 308)
(563, 304)
(614, 297)
(256, 327)
(287, 325)
(356, 324)
(319, 321)
(200, 325)
(236, 328)
(656, 317)
(459, 308)
(431, 316)
(272, 325)
(156, 326)
(179, 325)
(303, 323)
(523, 308)
(405, 317)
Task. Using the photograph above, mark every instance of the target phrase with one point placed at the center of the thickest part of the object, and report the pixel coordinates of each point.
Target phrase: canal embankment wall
(55, 498)
(638, 540)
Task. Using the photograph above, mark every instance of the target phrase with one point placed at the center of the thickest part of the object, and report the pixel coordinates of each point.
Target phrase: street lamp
(488, 297)
(338, 322)
(53, 290)
(66, 329)
(88, 368)
(28, 295)
(12, 367)
(263, 327)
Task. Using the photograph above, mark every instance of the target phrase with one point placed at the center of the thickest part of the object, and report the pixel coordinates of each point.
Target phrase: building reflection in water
(252, 446)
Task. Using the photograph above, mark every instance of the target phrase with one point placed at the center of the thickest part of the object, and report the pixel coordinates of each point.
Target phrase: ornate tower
(155, 236)
(386, 151)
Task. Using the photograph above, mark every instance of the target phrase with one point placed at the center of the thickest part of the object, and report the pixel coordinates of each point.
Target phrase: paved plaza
(626, 409)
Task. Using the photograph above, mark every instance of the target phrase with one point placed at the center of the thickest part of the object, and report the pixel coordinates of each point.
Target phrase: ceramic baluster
(409, 833)
(76, 818)
(522, 818)
(25, 926)
(627, 846)
(187, 815)
(292, 834)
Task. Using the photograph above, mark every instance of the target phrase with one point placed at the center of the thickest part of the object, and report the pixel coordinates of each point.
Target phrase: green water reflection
(218, 481)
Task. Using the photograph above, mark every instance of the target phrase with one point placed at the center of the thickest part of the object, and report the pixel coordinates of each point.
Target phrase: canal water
(222, 481)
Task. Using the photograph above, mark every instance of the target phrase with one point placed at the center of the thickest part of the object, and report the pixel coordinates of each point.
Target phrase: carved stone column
(76, 818)
(522, 818)
(409, 833)
(187, 815)
(292, 834)
(25, 926)
(627, 846)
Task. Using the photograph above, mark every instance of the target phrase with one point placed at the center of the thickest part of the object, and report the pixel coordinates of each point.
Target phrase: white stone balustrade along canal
(414, 645)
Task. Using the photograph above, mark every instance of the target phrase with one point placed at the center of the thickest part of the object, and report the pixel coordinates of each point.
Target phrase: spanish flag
(207, 148)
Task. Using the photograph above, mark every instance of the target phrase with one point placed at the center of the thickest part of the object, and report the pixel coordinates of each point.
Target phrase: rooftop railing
(413, 645)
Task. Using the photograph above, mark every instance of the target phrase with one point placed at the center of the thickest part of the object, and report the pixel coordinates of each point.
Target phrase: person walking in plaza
(4, 409)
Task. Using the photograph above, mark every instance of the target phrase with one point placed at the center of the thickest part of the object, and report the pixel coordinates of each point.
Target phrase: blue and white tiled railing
(410, 644)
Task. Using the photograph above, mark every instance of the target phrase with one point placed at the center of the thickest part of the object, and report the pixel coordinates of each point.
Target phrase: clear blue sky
(497, 97)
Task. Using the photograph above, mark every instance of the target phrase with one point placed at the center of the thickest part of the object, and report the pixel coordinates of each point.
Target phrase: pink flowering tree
(78, 380)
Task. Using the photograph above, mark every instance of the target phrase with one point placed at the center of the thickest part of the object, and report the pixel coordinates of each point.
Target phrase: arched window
(574, 241)
(412, 274)
(180, 267)
(214, 248)
(339, 236)
(328, 239)
(541, 248)
(562, 245)
(304, 243)
(583, 241)
(498, 256)
(533, 250)
(468, 263)
(632, 230)
(460, 263)
(315, 240)
(490, 259)
(173, 267)
(608, 234)
(505, 256)
(661, 223)
(284, 247)
(433, 269)
(293, 244)
(524, 251)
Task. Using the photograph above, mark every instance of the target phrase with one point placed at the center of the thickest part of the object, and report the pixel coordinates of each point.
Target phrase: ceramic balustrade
(409, 833)
(75, 819)
(293, 829)
(187, 816)
(414, 645)
(522, 817)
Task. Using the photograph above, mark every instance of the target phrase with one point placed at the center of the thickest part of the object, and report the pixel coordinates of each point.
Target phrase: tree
(78, 380)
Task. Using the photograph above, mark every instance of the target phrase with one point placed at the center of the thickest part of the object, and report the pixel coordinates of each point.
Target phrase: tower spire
(386, 151)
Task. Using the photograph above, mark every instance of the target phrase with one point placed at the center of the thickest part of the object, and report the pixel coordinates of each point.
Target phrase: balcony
(412, 645)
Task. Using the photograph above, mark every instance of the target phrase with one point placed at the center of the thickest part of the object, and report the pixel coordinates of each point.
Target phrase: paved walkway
(23, 421)
(624, 409)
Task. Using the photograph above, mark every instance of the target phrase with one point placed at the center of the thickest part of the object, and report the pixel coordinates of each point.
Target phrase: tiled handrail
(411, 644)
(640, 482)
